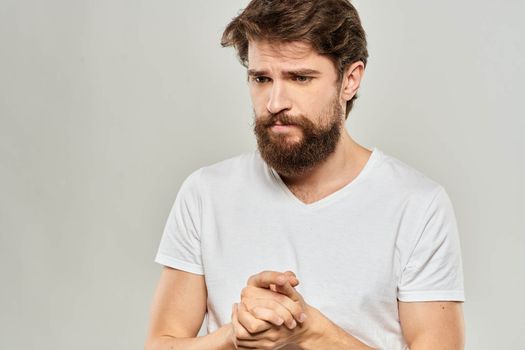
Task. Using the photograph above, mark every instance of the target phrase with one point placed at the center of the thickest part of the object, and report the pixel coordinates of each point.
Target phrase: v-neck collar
(372, 159)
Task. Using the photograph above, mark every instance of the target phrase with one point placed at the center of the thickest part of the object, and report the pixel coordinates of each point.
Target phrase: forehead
(285, 55)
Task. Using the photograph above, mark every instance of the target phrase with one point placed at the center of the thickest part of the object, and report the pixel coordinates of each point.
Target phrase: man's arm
(177, 312)
(324, 334)
(433, 325)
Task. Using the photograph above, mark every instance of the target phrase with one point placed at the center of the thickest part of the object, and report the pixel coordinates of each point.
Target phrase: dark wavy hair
(332, 27)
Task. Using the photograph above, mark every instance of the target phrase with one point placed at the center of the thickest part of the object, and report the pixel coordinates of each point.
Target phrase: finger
(294, 282)
(242, 339)
(266, 278)
(269, 310)
(251, 295)
(289, 291)
(292, 278)
(252, 324)
(261, 340)
(294, 295)
(241, 345)
(239, 332)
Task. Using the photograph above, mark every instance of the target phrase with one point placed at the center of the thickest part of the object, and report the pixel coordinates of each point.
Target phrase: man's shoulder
(223, 175)
(233, 166)
(400, 176)
(234, 169)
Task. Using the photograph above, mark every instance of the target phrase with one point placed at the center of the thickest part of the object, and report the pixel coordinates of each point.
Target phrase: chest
(343, 262)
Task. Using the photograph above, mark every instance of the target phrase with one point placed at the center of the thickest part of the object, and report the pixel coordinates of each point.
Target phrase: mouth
(278, 122)
(280, 127)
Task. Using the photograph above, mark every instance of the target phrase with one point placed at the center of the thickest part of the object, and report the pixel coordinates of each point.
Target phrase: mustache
(283, 118)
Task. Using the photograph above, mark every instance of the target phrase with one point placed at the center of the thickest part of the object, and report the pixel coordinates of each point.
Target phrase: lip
(278, 122)
(282, 127)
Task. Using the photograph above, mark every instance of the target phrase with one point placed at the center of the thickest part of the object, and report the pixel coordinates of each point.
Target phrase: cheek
(315, 95)
(311, 101)
(325, 93)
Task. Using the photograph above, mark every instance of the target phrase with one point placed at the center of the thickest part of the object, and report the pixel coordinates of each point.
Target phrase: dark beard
(295, 158)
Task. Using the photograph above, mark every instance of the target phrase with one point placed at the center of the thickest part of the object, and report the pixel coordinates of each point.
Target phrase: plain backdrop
(106, 106)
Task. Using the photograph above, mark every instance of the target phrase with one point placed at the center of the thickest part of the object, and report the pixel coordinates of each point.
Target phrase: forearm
(219, 340)
(328, 335)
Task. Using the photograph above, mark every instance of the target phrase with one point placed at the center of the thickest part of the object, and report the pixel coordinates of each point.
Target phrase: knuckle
(241, 333)
(247, 291)
(268, 273)
(251, 327)
(251, 279)
(273, 337)
(247, 303)
(260, 328)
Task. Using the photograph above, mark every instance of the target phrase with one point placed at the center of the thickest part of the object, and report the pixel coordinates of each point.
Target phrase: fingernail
(302, 317)
(280, 321)
(294, 324)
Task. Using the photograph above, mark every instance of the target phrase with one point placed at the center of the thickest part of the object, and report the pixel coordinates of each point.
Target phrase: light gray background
(106, 106)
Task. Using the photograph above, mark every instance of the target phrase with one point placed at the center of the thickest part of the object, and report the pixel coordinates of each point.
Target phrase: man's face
(298, 111)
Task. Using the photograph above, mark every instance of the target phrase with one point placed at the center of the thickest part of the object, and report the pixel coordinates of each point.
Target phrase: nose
(279, 100)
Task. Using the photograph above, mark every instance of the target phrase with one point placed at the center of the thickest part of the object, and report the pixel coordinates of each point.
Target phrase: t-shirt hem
(434, 295)
(179, 264)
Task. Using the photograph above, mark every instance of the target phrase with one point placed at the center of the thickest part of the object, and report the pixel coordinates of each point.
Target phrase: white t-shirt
(388, 235)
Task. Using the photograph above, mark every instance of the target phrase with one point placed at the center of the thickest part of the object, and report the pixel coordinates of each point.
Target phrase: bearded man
(312, 241)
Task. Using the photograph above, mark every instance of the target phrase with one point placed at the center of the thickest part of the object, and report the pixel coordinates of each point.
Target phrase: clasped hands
(271, 313)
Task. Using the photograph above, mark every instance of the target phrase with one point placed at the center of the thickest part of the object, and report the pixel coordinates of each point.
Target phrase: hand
(273, 338)
(269, 301)
(273, 305)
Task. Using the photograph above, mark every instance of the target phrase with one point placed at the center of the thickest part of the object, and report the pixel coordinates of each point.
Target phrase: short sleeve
(180, 245)
(434, 269)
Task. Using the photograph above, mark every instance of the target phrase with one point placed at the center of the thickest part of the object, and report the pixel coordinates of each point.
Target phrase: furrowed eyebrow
(302, 72)
(256, 73)
(297, 72)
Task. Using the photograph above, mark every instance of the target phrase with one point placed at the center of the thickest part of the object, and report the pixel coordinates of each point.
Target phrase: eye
(261, 79)
(302, 78)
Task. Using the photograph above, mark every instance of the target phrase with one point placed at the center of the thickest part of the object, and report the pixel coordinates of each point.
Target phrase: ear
(352, 80)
